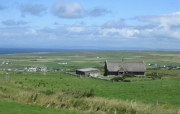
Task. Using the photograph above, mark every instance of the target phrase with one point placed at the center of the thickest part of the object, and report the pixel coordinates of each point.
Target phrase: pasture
(7, 107)
(57, 90)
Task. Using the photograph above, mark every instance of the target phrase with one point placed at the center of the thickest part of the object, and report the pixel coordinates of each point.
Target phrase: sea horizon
(48, 50)
(37, 50)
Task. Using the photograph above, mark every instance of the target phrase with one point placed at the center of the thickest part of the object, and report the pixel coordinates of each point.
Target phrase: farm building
(124, 67)
(88, 72)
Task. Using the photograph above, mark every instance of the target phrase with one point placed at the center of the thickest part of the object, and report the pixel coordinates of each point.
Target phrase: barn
(88, 72)
(122, 67)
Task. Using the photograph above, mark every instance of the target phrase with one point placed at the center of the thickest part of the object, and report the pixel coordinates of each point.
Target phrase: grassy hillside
(69, 92)
(7, 107)
(56, 90)
(166, 90)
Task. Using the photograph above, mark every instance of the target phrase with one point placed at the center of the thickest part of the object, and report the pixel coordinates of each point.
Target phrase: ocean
(31, 50)
(38, 50)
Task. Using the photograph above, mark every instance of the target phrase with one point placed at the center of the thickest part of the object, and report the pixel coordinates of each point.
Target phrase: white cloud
(5, 34)
(12, 32)
(9, 22)
(36, 10)
(14, 23)
(120, 33)
(98, 11)
(114, 24)
(68, 10)
(159, 33)
(155, 34)
(162, 20)
(161, 27)
(2, 7)
(166, 32)
(75, 29)
(31, 32)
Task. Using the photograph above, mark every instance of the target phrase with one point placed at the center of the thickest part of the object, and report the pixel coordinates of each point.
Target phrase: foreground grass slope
(166, 90)
(7, 107)
(60, 90)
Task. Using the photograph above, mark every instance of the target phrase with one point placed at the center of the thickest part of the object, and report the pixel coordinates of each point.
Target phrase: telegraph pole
(157, 65)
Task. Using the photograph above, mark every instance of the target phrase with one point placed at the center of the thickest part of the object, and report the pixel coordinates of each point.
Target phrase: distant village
(110, 68)
(163, 67)
(28, 68)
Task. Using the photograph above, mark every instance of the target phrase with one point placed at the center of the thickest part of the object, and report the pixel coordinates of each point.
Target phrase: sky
(90, 24)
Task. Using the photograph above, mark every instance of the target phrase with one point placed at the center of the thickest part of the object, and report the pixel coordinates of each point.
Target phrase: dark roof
(127, 65)
(113, 65)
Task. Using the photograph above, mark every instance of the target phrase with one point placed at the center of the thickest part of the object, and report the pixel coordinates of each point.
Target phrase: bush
(117, 79)
(33, 98)
(79, 94)
(152, 74)
(127, 80)
(90, 93)
(48, 92)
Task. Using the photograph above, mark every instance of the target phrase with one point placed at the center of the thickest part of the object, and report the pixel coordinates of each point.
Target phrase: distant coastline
(30, 50)
(38, 50)
(48, 50)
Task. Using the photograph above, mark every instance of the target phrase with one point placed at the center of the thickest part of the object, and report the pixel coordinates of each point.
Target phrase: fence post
(132, 105)
(156, 101)
(115, 111)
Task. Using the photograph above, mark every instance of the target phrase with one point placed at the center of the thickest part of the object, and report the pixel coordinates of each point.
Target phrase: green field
(76, 60)
(53, 91)
(7, 107)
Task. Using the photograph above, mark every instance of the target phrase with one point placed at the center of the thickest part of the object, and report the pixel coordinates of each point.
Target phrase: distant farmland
(57, 90)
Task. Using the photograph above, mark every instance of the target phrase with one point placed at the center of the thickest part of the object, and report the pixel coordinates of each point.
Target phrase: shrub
(80, 94)
(127, 80)
(152, 74)
(20, 82)
(90, 93)
(117, 79)
(48, 92)
(35, 98)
